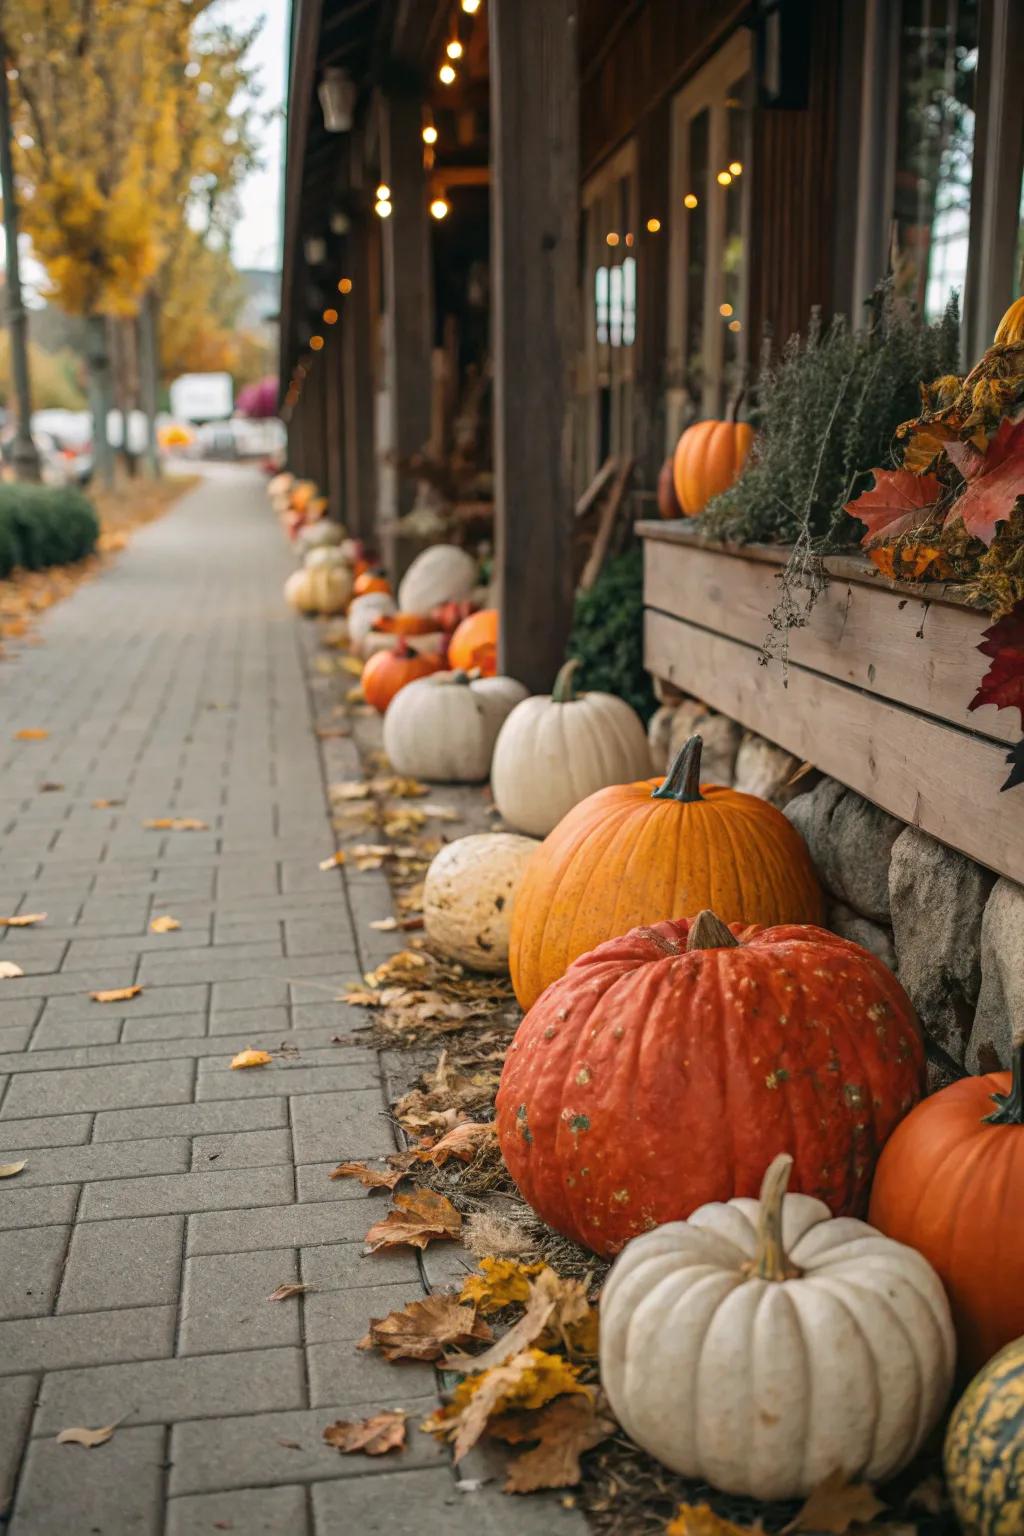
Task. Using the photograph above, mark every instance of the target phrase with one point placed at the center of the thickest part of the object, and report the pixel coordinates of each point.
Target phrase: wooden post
(334, 418)
(534, 218)
(408, 307)
(358, 315)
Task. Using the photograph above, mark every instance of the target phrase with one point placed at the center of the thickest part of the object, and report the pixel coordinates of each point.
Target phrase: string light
(454, 49)
(470, 7)
(382, 209)
(611, 238)
(690, 200)
(383, 193)
(430, 134)
(736, 167)
(734, 325)
(439, 208)
(345, 285)
(724, 179)
(725, 309)
(446, 74)
(630, 239)
(653, 225)
(316, 343)
(330, 317)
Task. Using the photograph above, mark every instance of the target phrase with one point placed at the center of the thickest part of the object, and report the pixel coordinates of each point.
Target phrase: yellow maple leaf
(499, 1283)
(251, 1059)
(527, 1380)
(164, 924)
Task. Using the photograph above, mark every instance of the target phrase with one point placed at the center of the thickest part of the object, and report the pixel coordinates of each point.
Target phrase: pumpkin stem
(564, 691)
(771, 1262)
(459, 676)
(682, 782)
(1010, 1106)
(709, 932)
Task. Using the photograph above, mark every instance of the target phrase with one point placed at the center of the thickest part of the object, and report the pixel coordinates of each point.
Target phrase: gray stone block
(330, 1127)
(218, 1081)
(332, 1315)
(191, 1119)
(86, 1338)
(285, 1226)
(17, 1401)
(120, 1491)
(55, 1131)
(249, 1512)
(187, 1192)
(102, 1027)
(31, 1265)
(64, 1092)
(225, 1306)
(341, 1373)
(399, 1503)
(114, 1160)
(850, 841)
(1000, 1010)
(126, 1263)
(241, 1149)
(171, 1026)
(28, 1207)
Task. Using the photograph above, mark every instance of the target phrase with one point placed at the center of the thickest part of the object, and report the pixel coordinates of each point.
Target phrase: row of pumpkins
(667, 1068)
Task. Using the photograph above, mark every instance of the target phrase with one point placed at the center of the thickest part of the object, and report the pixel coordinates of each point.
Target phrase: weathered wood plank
(534, 210)
(905, 649)
(358, 309)
(930, 775)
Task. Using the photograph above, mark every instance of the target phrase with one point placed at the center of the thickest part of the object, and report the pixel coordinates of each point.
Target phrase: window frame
(606, 366)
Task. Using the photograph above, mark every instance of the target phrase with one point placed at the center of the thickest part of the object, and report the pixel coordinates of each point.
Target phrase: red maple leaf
(1003, 683)
(993, 482)
(895, 502)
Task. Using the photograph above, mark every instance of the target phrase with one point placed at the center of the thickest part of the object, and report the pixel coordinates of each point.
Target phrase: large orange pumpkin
(638, 853)
(474, 645)
(951, 1184)
(708, 457)
(371, 581)
(669, 1066)
(387, 672)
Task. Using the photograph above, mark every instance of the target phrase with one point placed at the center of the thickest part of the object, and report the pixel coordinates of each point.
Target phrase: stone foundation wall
(952, 931)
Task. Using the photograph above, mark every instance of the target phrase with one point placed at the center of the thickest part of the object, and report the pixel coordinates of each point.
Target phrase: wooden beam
(534, 214)
(358, 317)
(305, 37)
(334, 428)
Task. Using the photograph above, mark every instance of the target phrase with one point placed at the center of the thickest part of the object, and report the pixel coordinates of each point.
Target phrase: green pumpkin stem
(682, 782)
(564, 691)
(771, 1262)
(709, 932)
(1010, 1109)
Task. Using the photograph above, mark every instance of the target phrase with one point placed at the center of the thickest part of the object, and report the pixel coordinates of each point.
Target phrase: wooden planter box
(878, 683)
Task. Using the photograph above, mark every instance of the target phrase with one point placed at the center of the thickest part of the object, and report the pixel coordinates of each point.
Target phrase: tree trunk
(98, 361)
(149, 379)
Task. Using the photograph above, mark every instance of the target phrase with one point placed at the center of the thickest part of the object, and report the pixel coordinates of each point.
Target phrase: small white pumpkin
(363, 614)
(319, 535)
(760, 1345)
(554, 751)
(468, 895)
(442, 574)
(324, 556)
(443, 728)
(323, 590)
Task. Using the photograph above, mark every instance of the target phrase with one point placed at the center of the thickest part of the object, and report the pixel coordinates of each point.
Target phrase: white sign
(202, 396)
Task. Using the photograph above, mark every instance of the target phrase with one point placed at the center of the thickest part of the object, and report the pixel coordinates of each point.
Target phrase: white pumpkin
(319, 535)
(280, 485)
(760, 1345)
(443, 728)
(323, 556)
(364, 612)
(323, 590)
(468, 895)
(554, 751)
(441, 574)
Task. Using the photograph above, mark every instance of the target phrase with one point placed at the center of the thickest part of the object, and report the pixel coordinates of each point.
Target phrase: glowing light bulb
(734, 325)
(630, 239)
(724, 179)
(316, 343)
(736, 167)
(690, 200)
(382, 209)
(611, 238)
(330, 317)
(345, 285)
(653, 225)
(384, 193)
(454, 49)
(725, 309)
(470, 7)
(446, 74)
(439, 208)
(430, 134)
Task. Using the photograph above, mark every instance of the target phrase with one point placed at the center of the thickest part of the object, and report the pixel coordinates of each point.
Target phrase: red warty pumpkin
(388, 671)
(951, 1185)
(668, 1067)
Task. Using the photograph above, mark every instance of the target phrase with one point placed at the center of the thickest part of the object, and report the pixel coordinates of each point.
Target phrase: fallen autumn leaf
(164, 925)
(177, 824)
(25, 921)
(372, 1437)
(8, 1170)
(334, 861)
(564, 1429)
(87, 1437)
(528, 1380)
(835, 1505)
(415, 1221)
(374, 1178)
(423, 1330)
(31, 733)
(289, 1289)
(115, 995)
(250, 1059)
(8, 970)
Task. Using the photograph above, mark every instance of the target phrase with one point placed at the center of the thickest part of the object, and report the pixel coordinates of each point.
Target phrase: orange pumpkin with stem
(386, 673)
(371, 581)
(639, 853)
(708, 457)
(474, 645)
(951, 1185)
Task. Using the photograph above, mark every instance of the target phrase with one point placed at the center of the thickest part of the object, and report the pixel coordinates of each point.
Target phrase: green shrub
(608, 634)
(44, 525)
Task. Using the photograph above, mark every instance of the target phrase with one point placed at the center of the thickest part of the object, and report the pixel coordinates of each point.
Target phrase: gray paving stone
(86, 1338)
(162, 1391)
(263, 992)
(254, 1512)
(217, 1081)
(286, 1226)
(26, 1011)
(50, 1131)
(191, 1119)
(247, 1452)
(115, 1160)
(172, 1026)
(17, 1399)
(154, 1000)
(274, 1021)
(63, 1092)
(127, 1263)
(241, 1149)
(30, 1268)
(330, 1127)
(335, 1316)
(225, 1304)
(339, 1372)
(15, 1037)
(64, 1494)
(187, 1192)
(28, 1207)
(99, 1028)
(314, 1182)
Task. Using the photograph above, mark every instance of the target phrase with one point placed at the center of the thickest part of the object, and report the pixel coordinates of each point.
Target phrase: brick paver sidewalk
(166, 1196)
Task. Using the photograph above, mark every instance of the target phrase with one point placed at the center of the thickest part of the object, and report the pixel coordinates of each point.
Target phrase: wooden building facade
(538, 233)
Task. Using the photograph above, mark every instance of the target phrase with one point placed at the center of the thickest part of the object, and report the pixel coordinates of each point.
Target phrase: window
(709, 232)
(606, 373)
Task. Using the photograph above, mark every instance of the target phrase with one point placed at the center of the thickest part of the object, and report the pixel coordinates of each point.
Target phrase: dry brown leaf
(360, 999)
(115, 994)
(555, 1307)
(526, 1381)
(407, 963)
(375, 1436)
(441, 812)
(415, 1221)
(349, 789)
(701, 1520)
(87, 1437)
(8, 1170)
(50, 787)
(164, 924)
(106, 805)
(334, 861)
(499, 1283)
(8, 970)
(25, 921)
(423, 1330)
(401, 823)
(835, 1505)
(385, 924)
(250, 1059)
(399, 785)
(31, 733)
(289, 1289)
(564, 1429)
(177, 824)
(463, 1142)
(412, 899)
(374, 1178)
(351, 664)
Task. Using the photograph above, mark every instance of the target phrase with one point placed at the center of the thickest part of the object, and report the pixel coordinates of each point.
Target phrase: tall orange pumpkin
(639, 853)
(388, 671)
(474, 645)
(708, 457)
(951, 1185)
